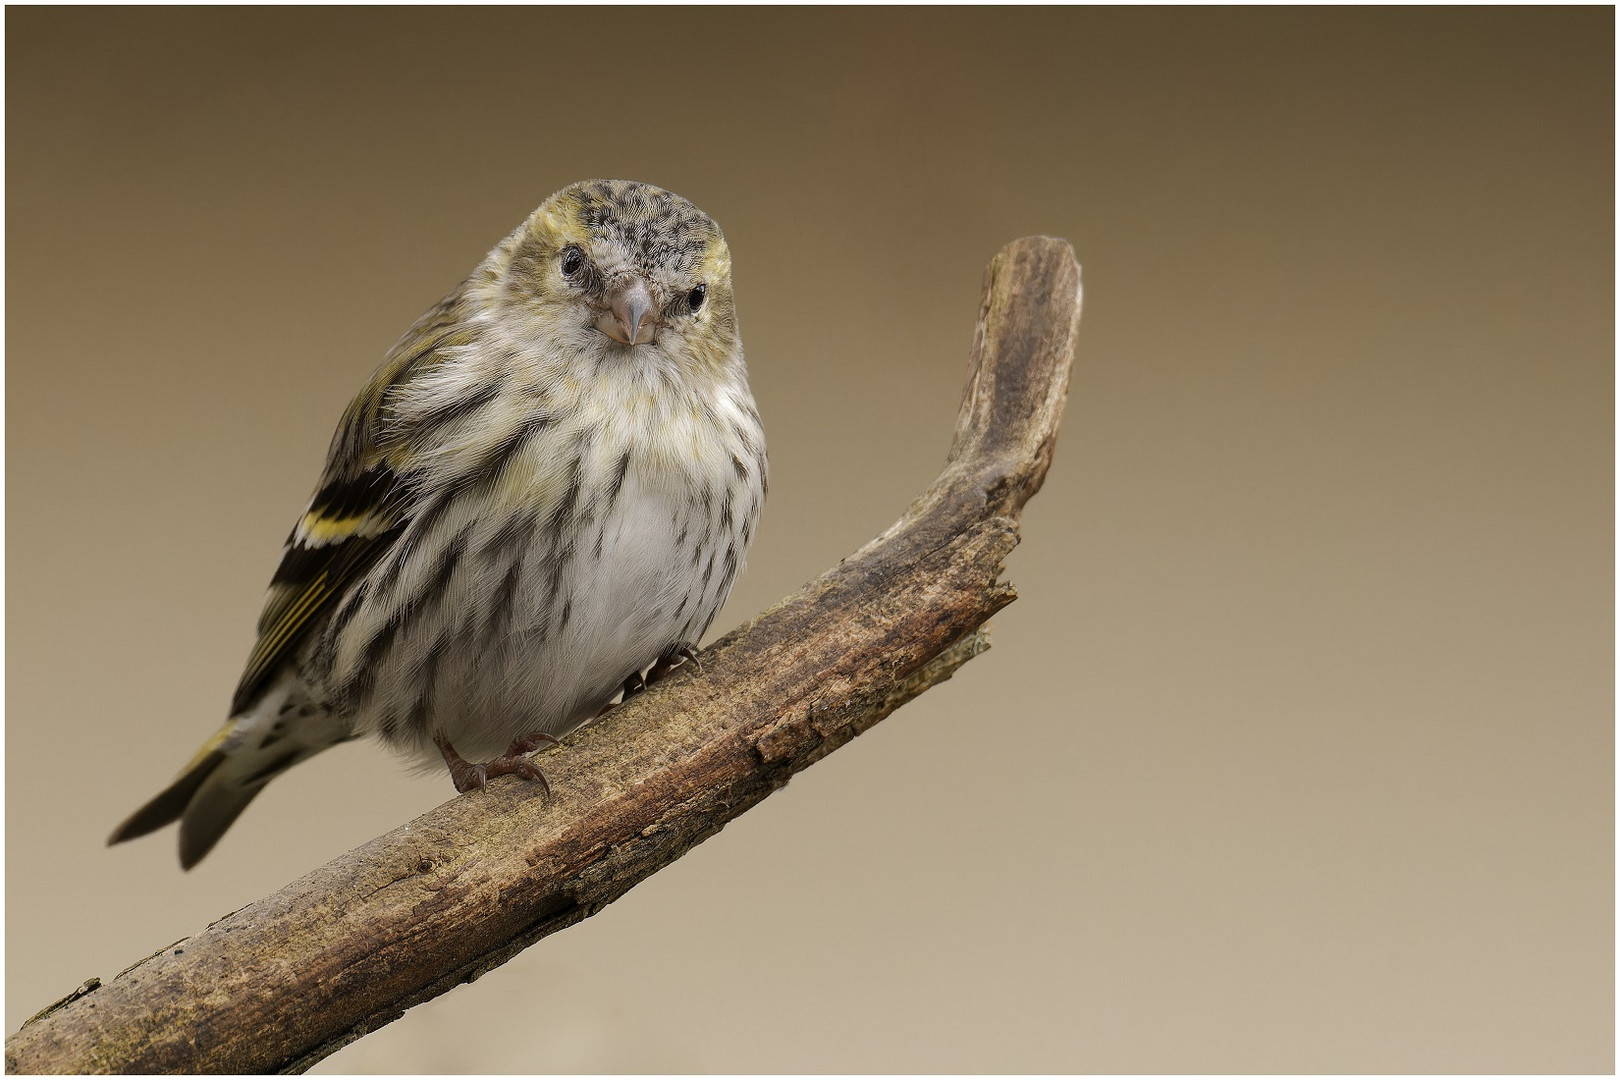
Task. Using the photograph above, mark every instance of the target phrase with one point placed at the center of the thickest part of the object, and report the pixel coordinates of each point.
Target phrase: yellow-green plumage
(551, 482)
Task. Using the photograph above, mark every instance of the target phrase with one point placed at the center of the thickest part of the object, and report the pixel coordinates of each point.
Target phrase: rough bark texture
(283, 982)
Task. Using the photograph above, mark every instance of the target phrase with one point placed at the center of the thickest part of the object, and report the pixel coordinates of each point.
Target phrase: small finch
(548, 487)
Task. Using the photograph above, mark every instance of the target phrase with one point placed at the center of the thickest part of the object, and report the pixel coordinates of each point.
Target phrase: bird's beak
(631, 317)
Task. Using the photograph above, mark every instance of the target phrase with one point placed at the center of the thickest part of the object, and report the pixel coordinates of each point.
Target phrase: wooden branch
(283, 982)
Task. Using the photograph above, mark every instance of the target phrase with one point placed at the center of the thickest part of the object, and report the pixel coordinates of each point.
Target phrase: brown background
(1296, 753)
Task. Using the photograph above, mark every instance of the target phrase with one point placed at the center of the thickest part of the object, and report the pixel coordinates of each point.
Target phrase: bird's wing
(357, 513)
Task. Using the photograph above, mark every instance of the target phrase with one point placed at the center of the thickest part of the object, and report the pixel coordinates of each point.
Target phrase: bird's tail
(230, 769)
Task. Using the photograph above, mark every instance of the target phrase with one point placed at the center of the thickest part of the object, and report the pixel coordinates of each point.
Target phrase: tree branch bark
(284, 982)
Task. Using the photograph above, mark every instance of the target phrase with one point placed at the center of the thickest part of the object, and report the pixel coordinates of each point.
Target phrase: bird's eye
(694, 299)
(572, 260)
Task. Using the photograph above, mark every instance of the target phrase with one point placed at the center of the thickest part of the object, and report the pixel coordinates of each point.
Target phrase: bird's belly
(578, 622)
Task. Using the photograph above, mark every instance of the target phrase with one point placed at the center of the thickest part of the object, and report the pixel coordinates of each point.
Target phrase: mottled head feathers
(590, 238)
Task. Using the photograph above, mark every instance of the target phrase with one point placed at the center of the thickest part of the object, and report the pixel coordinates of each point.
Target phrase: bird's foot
(672, 658)
(675, 656)
(633, 685)
(468, 776)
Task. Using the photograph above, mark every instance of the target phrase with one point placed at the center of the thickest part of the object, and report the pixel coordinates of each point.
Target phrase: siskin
(548, 486)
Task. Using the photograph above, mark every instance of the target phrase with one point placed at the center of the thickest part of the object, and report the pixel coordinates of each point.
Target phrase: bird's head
(617, 268)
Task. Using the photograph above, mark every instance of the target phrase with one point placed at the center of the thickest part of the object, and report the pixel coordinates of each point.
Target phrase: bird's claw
(519, 765)
(672, 658)
(528, 744)
(676, 656)
(468, 776)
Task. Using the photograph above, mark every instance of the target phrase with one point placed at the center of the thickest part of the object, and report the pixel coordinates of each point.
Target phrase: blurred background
(1297, 752)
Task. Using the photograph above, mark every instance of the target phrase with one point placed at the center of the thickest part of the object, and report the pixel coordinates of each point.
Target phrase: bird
(548, 488)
